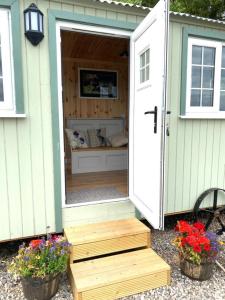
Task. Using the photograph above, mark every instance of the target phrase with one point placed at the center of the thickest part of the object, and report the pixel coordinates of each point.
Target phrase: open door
(148, 82)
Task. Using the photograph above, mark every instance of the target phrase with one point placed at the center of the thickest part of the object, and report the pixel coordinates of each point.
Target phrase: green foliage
(213, 9)
(41, 258)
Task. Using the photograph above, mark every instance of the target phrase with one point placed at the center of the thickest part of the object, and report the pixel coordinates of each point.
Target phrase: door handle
(153, 112)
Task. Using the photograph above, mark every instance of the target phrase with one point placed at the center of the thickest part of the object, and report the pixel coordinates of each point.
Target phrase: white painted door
(148, 74)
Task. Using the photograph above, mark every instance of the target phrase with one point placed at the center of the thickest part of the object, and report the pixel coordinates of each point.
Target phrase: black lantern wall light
(33, 22)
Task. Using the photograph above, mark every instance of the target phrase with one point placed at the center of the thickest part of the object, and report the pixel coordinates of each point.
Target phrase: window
(6, 66)
(144, 66)
(205, 92)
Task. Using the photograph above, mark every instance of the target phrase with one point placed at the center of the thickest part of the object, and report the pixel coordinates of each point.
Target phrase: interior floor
(96, 186)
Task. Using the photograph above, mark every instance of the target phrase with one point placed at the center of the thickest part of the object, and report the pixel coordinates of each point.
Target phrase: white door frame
(72, 26)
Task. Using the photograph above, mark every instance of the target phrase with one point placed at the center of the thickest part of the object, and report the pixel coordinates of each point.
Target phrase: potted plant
(39, 265)
(197, 250)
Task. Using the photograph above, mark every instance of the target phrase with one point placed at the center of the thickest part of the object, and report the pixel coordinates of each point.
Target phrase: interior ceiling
(94, 47)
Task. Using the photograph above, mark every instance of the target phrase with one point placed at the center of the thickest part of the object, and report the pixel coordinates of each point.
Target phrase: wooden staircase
(113, 259)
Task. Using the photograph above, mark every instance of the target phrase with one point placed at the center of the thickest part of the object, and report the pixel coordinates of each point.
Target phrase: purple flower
(22, 246)
(26, 258)
(211, 236)
(52, 249)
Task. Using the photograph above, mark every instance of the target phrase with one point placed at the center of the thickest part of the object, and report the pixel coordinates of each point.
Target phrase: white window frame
(205, 112)
(8, 105)
(146, 83)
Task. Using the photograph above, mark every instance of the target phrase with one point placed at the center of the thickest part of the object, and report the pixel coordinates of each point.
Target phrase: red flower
(203, 240)
(191, 240)
(197, 248)
(207, 247)
(183, 242)
(35, 243)
(183, 227)
(200, 226)
(55, 238)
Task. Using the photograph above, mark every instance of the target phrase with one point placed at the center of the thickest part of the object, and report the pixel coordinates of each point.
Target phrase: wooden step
(108, 237)
(119, 275)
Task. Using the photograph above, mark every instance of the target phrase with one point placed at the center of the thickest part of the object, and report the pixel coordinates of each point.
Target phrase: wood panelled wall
(74, 106)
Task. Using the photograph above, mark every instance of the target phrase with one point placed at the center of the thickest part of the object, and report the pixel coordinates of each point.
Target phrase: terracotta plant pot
(200, 272)
(40, 289)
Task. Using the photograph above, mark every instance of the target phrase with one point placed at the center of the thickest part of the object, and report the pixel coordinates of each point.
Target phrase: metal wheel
(210, 212)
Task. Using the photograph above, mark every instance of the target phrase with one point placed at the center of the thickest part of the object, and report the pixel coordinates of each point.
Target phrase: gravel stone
(181, 288)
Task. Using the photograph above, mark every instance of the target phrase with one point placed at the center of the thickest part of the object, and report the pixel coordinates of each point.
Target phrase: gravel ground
(181, 287)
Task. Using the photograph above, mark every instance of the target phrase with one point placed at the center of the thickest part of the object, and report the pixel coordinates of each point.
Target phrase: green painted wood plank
(100, 13)
(4, 211)
(172, 106)
(55, 5)
(25, 176)
(195, 156)
(216, 153)
(121, 17)
(187, 164)
(179, 165)
(78, 9)
(45, 107)
(202, 158)
(221, 163)
(36, 128)
(67, 7)
(111, 15)
(209, 153)
(131, 18)
(89, 11)
(13, 178)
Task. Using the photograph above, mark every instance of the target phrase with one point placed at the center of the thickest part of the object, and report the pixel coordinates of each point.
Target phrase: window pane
(196, 55)
(207, 98)
(195, 97)
(0, 62)
(147, 73)
(142, 75)
(222, 101)
(147, 56)
(142, 58)
(223, 58)
(209, 56)
(222, 83)
(208, 77)
(1, 90)
(34, 21)
(196, 77)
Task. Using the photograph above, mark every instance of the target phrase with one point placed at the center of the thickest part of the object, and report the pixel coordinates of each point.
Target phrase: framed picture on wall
(98, 84)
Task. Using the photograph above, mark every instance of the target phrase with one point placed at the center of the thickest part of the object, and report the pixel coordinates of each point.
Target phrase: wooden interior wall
(74, 106)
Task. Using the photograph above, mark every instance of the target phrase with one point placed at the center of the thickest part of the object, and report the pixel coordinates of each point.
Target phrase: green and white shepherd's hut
(75, 87)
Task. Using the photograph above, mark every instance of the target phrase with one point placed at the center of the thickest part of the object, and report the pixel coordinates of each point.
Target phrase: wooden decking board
(107, 261)
(105, 230)
(107, 237)
(126, 288)
(146, 262)
(119, 275)
(109, 246)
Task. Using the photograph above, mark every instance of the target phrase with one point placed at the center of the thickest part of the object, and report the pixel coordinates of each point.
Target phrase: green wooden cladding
(195, 148)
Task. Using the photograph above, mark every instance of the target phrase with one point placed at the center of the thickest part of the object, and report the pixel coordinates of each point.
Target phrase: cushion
(118, 140)
(77, 138)
(97, 137)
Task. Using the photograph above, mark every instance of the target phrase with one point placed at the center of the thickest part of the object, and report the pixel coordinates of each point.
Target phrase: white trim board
(91, 29)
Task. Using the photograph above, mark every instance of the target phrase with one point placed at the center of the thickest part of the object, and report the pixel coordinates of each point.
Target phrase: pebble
(181, 288)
